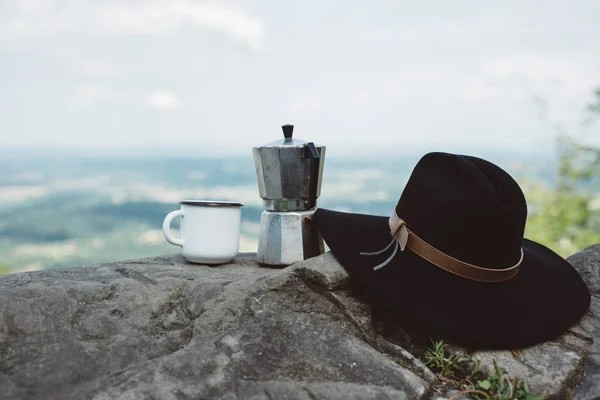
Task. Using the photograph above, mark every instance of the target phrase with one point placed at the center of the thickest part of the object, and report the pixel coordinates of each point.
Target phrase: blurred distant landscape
(62, 210)
(111, 112)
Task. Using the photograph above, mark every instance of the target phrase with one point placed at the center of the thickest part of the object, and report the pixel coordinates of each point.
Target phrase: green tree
(566, 216)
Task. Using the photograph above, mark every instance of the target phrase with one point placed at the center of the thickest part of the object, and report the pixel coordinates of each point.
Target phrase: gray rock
(587, 263)
(551, 369)
(162, 328)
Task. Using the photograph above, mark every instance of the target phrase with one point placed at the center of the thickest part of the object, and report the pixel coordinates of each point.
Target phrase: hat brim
(543, 300)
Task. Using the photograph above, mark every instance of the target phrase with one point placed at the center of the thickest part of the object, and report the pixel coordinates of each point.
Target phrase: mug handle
(167, 228)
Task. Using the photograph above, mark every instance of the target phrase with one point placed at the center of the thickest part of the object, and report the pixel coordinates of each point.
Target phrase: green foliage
(5, 269)
(447, 365)
(566, 216)
(436, 358)
(594, 106)
(499, 386)
(465, 373)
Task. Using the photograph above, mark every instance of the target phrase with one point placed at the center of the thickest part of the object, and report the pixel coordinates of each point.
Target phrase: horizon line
(372, 149)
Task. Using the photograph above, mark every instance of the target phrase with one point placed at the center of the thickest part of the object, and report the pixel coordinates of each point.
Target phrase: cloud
(89, 95)
(238, 25)
(147, 18)
(163, 100)
(100, 69)
(395, 69)
(564, 82)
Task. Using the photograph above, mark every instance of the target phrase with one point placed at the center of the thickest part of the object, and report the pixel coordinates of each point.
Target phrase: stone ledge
(165, 328)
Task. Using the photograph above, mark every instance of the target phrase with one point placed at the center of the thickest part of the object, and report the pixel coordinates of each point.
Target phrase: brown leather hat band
(457, 267)
(403, 237)
(444, 261)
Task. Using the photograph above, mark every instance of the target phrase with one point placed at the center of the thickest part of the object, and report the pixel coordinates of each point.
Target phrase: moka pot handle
(310, 151)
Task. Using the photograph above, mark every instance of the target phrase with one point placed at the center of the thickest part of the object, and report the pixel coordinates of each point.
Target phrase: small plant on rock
(464, 372)
(436, 358)
(499, 386)
(449, 366)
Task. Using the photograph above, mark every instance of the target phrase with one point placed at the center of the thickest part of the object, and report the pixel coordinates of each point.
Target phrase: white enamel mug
(210, 230)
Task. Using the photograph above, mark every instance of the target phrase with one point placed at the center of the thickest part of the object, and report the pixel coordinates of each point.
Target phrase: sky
(364, 75)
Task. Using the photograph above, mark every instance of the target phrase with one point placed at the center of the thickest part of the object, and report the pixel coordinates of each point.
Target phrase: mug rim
(213, 203)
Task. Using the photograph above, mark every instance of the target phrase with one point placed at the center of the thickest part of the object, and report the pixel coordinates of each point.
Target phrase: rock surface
(163, 328)
(587, 263)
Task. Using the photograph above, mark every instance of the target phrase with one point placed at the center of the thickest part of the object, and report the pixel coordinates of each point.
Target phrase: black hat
(452, 257)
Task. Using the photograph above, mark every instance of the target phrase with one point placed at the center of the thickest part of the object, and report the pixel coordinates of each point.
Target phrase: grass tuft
(464, 373)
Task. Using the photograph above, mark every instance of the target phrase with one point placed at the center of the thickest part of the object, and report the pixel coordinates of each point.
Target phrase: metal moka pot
(289, 173)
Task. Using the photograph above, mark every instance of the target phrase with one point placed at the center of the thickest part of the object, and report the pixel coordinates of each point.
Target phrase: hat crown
(466, 207)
